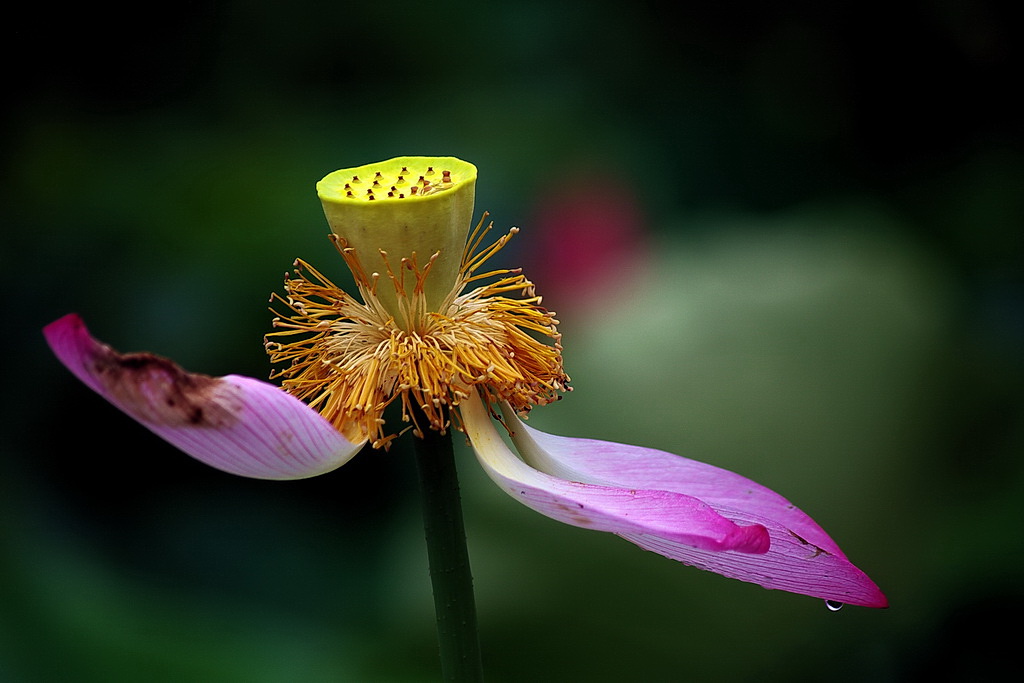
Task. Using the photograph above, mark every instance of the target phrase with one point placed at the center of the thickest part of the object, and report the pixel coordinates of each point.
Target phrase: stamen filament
(350, 359)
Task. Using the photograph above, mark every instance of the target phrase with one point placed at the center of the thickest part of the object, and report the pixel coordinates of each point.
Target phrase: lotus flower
(454, 347)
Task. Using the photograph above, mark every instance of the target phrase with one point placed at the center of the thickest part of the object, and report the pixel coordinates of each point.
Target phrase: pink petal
(237, 424)
(621, 510)
(802, 558)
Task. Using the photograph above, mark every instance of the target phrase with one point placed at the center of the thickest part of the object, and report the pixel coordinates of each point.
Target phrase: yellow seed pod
(409, 208)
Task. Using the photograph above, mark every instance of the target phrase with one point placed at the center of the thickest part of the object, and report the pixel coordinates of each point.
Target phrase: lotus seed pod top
(408, 207)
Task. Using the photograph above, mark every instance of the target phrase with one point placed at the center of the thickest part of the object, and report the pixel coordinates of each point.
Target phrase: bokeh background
(783, 238)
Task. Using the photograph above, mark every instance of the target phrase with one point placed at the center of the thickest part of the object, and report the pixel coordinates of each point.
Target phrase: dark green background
(829, 301)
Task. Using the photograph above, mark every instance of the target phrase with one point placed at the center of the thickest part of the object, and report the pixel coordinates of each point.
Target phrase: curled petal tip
(620, 509)
(237, 424)
(752, 538)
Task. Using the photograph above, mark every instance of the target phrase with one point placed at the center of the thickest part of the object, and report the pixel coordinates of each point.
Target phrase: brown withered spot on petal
(574, 514)
(158, 391)
(803, 541)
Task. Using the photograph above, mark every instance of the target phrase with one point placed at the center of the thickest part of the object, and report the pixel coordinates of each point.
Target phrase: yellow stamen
(354, 358)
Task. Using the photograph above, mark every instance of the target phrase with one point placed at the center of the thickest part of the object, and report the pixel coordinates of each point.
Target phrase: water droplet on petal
(833, 605)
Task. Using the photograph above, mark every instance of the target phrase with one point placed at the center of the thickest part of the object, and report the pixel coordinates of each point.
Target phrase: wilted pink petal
(621, 510)
(802, 559)
(237, 424)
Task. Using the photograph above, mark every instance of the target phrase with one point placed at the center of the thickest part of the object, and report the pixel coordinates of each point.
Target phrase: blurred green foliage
(827, 297)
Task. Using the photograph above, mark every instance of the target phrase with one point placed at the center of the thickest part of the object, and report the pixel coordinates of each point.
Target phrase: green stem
(450, 574)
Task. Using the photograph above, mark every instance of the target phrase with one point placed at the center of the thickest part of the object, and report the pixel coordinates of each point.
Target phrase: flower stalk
(448, 556)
